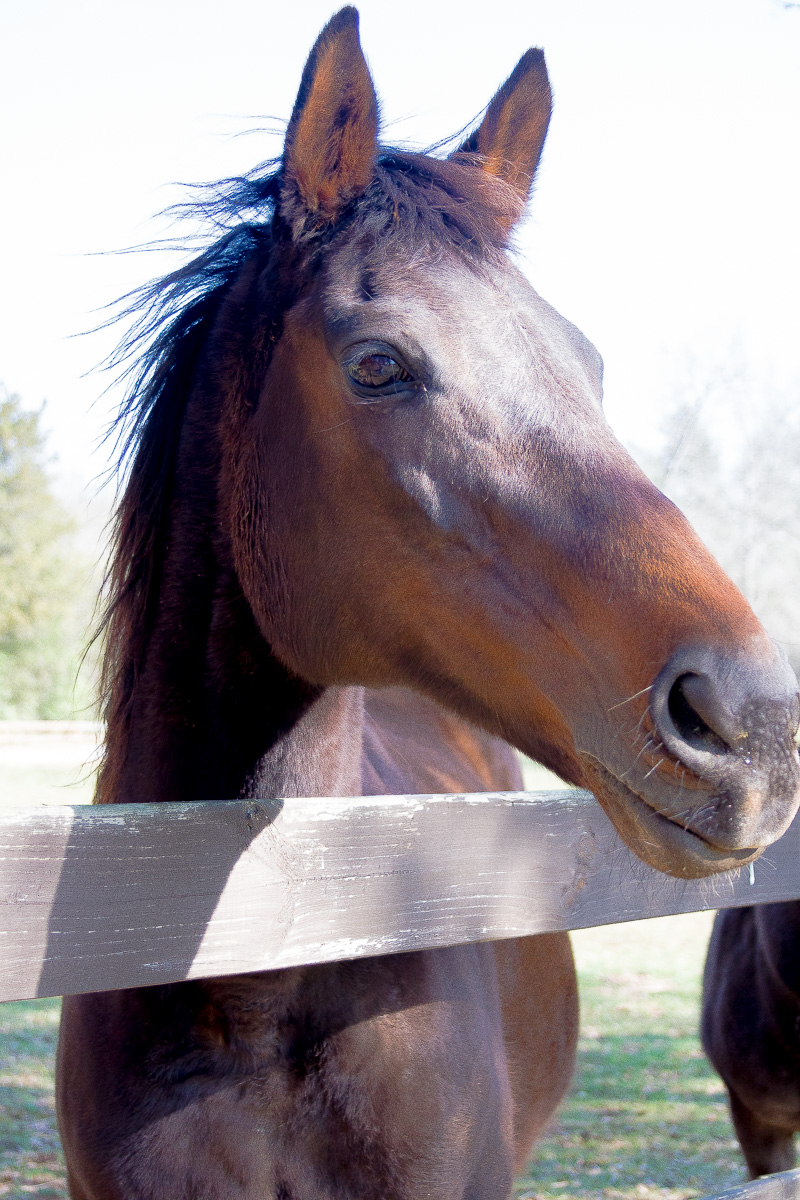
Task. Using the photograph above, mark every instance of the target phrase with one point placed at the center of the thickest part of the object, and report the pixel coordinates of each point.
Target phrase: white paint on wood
(785, 1186)
(98, 898)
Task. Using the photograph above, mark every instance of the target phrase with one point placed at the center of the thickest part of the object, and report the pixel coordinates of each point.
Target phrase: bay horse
(374, 530)
(751, 1027)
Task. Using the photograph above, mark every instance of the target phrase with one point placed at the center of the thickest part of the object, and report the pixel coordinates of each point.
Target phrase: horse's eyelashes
(378, 372)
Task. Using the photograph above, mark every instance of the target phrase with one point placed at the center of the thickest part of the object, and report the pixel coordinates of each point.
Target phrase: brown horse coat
(751, 1027)
(408, 1075)
(374, 521)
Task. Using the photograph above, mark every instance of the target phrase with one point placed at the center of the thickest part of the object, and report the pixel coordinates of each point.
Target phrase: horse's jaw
(661, 841)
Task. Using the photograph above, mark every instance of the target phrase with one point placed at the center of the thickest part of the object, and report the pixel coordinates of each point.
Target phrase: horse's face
(464, 522)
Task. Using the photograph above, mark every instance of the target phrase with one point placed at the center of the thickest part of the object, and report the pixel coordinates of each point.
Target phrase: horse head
(420, 487)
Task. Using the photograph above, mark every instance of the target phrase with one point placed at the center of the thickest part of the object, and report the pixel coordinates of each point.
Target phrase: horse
(751, 1027)
(374, 533)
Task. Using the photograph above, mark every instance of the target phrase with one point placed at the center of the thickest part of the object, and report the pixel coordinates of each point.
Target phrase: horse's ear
(510, 137)
(332, 138)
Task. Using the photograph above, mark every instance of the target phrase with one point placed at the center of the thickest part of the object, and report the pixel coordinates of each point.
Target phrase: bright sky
(667, 212)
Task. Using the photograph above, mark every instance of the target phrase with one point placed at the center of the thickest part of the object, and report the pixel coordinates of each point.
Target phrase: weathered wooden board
(785, 1186)
(101, 898)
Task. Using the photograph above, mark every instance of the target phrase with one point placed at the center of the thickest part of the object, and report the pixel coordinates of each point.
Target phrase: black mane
(414, 199)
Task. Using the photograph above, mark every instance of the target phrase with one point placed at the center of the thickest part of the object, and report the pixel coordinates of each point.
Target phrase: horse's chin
(658, 840)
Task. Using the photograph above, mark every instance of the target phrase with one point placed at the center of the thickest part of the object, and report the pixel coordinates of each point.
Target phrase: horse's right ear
(332, 138)
(509, 139)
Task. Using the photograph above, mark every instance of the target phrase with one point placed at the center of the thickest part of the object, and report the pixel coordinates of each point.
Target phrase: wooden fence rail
(785, 1186)
(108, 897)
(102, 898)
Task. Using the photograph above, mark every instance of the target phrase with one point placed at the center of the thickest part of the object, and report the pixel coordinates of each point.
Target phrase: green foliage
(43, 582)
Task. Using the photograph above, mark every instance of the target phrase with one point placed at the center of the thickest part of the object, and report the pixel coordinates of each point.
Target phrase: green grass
(30, 1155)
(646, 1117)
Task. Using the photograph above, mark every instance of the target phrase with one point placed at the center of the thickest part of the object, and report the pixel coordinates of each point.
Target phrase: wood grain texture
(785, 1186)
(121, 896)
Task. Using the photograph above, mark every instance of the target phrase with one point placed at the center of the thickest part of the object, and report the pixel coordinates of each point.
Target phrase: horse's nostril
(689, 708)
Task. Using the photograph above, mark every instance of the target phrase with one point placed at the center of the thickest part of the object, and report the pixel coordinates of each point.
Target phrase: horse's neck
(216, 716)
(213, 714)
(320, 755)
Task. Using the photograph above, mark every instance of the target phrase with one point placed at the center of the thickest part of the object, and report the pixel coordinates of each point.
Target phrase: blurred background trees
(729, 456)
(46, 586)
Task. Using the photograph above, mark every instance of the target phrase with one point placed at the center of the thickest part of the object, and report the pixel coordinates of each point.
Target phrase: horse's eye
(378, 371)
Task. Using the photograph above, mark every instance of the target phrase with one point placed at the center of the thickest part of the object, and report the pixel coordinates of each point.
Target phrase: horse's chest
(359, 1079)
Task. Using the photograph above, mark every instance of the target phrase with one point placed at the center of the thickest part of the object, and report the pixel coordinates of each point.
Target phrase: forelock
(419, 201)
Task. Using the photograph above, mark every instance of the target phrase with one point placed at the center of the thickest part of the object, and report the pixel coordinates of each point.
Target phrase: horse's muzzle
(721, 779)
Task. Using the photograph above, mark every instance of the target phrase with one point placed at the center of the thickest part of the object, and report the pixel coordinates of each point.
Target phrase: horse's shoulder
(412, 744)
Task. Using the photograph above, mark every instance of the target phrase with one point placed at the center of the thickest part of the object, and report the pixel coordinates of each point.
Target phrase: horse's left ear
(332, 138)
(510, 137)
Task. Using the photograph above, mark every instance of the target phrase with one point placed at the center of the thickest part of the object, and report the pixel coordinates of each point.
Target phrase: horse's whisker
(654, 768)
(635, 696)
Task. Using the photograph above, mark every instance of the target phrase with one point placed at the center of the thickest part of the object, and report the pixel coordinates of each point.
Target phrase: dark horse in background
(751, 1027)
(375, 522)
